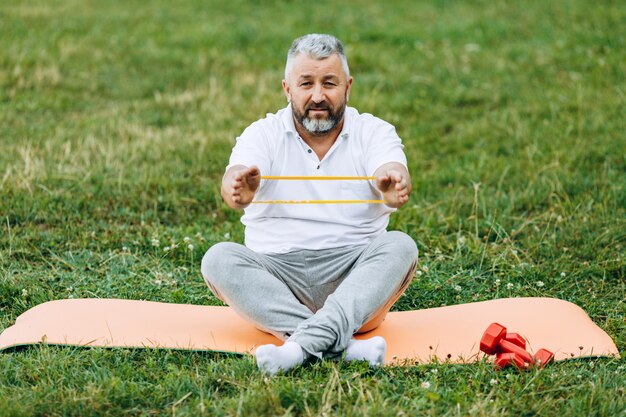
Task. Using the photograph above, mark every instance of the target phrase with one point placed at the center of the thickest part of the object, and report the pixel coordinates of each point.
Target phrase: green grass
(117, 119)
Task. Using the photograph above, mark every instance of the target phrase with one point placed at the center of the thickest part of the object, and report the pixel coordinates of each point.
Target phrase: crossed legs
(314, 300)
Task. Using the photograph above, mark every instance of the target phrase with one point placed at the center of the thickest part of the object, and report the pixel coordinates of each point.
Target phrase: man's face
(318, 90)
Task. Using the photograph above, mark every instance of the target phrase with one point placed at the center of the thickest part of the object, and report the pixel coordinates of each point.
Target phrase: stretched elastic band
(315, 178)
(319, 202)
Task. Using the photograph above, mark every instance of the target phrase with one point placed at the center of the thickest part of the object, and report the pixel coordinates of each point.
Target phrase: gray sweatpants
(316, 298)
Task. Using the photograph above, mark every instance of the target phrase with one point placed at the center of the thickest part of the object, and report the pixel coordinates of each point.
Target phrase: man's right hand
(239, 185)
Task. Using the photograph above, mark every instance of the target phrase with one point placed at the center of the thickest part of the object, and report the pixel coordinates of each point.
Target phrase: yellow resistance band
(313, 178)
(318, 201)
(317, 178)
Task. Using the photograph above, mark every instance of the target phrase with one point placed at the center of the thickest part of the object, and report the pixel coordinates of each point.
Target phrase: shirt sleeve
(384, 146)
(252, 148)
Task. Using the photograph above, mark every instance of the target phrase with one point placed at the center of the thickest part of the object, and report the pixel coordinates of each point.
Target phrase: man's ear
(286, 90)
(348, 89)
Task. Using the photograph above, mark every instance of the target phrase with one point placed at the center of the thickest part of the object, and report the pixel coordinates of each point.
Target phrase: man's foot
(271, 358)
(371, 350)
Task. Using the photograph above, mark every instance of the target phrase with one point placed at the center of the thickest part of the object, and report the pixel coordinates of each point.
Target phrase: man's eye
(305, 84)
(329, 84)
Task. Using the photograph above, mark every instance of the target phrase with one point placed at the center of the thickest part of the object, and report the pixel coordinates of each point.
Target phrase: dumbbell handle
(509, 347)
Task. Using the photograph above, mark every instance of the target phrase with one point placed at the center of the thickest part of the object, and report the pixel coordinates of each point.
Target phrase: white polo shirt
(273, 144)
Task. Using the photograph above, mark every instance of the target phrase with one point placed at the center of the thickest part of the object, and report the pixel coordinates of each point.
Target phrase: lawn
(116, 123)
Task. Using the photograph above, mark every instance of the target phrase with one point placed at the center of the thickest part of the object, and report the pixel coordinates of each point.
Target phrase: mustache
(318, 106)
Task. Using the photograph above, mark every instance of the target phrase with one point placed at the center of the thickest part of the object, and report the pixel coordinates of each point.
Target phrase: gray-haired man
(315, 274)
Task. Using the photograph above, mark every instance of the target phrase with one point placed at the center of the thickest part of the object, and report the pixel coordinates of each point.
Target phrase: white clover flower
(425, 385)
(190, 246)
(457, 288)
(158, 281)
(166, 249)
(425, 268)
(226, 235)
(433, 371)
(124, 248)
(24, 292)
(155, 242)
(509, 286)
(540, 284)
(563, 274)
(498, 282)
(493, 381)
(186, 239)
(418, 273)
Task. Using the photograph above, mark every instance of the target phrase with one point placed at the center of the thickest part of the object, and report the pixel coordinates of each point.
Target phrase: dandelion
(190, 246)
(509, 286)
(155, 242)
(540, 284)
(186, 239)
(457, 288)
(425, 385)
(493, 381)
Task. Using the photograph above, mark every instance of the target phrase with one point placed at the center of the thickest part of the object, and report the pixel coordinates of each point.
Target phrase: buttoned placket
(313, 156)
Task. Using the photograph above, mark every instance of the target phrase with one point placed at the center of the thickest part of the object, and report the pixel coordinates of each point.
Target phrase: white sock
(371, 350)
(271, 358)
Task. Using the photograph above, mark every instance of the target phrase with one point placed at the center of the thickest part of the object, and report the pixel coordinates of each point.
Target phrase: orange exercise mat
(449, 333)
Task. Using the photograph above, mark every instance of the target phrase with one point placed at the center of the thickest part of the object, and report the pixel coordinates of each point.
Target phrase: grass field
(117, 119)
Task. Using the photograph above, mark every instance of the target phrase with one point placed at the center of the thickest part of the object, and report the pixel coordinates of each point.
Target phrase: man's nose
(318, 94)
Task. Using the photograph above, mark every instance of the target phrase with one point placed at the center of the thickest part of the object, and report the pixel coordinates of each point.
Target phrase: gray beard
(318, 126)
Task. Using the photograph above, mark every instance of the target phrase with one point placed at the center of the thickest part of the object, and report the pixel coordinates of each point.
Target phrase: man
(315, 274)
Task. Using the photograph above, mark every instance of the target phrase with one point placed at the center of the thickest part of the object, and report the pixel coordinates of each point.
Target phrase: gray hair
(318, 47)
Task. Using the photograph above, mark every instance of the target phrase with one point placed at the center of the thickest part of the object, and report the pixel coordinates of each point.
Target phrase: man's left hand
(394, 181)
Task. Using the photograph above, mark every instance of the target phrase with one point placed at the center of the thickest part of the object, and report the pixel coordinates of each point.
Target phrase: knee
(216, 261)
(403, 245)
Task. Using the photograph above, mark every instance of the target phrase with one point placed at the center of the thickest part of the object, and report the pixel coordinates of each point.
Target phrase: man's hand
(394, 181)
(239, 185)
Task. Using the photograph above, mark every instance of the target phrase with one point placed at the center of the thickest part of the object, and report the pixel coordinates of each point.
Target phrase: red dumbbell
(542, 357)
(494, 341)
(509, 359)
(517, 339)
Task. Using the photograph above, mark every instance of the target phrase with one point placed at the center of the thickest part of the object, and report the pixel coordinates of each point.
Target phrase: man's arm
(239, 185)
(394, 181)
